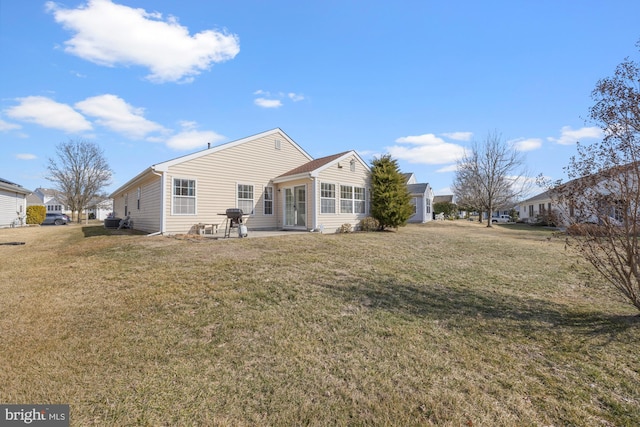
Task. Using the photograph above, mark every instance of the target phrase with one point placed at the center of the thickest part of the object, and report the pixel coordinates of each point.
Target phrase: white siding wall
(11, 204)
(420, 208)
(525, 209)
(342, 176)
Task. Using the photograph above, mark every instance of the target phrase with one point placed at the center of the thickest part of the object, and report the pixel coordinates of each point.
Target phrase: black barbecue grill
(234, 220)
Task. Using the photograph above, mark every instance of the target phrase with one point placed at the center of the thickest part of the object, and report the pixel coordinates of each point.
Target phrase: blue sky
(420, 80)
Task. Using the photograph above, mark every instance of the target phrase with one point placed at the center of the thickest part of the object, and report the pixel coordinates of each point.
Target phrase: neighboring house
(270, 177)
(51, 199)
(33, 200)
(608, 196)
(535, 207)
(449, 198)
(99, 208)
(421, 199)
(443, 199)
(13, 204)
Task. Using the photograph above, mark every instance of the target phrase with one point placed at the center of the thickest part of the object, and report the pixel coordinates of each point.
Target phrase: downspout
(162, 203)
(314, 213)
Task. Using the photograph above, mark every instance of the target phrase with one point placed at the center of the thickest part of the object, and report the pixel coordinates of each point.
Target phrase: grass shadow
(99, 230)
(465, 306)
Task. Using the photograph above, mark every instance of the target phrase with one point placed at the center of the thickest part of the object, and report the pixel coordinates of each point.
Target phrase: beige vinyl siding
(147, 218)
(342, 176)
(218, 174)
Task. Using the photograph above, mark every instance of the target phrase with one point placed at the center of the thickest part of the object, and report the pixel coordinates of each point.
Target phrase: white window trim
(253, 198)
(363, 201)
(173, 196)
(264, 201)
(335, 198)
(353, 199)
(345, 199)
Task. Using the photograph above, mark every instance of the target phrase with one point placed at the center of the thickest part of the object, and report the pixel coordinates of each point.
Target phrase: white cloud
(5, 126)
(191, 138)
(450, 168)
(111, 34)
(267, 99)
(114, 113)
(529, 144)
(458, 136)
(49, 113)
(268, 103)
(427, 149)
(426, 139)
(570, 136)
(188, 124)
(26, 156)
(295, 97)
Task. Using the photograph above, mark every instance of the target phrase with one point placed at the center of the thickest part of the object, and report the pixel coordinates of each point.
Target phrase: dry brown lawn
(448, 323)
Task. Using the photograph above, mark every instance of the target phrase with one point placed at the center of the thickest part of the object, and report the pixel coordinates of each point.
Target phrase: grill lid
(234, 213)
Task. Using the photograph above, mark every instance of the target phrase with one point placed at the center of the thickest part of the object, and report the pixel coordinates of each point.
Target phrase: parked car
(56, 219)
(501, 218)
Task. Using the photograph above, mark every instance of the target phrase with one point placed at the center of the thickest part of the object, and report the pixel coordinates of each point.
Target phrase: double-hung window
(327, 198)
(184, 196)
(245, 198)
(268, 201)
(352, 199)
(359, 200)
(346, 199)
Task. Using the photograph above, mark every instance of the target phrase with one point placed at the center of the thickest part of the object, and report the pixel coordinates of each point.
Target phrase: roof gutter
(304, 175)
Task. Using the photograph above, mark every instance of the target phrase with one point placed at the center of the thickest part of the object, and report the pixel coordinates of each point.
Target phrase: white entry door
(295, 206)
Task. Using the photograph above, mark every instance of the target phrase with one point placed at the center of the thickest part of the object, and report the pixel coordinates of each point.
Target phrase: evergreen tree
(391, 201)
(450, 210)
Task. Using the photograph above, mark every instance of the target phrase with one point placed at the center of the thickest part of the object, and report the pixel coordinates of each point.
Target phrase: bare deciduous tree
(79, 172)
(491, 175)
(601, 203)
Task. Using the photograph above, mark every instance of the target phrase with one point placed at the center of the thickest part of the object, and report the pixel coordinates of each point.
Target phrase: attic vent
(352, 165)
(277, 144)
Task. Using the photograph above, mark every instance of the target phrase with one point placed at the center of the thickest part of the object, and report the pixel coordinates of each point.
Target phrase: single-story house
(269, 176)
(608, 196)
(534, 207)
(13, 204)
(421, 199)
(447, 198)
(99, 208)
